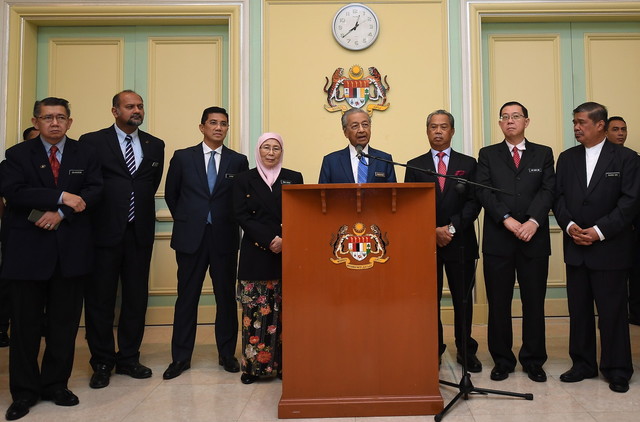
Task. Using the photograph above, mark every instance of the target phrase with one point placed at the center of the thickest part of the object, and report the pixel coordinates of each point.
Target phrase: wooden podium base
(359, 407)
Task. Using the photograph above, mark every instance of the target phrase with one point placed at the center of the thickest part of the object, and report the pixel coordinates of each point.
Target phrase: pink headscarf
(269, 175)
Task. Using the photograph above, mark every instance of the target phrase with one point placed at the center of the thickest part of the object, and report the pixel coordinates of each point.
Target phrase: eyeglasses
(364, 126)
(49, 118)
(216, 123)
(514, 116)
(268, 149)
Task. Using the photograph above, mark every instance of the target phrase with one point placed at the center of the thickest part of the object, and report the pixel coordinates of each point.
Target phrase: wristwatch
(452, 229)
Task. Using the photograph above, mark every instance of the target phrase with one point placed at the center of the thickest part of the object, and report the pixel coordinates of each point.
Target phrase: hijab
(269, 175)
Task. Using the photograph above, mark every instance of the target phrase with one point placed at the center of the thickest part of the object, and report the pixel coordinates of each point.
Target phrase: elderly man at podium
(350, 165)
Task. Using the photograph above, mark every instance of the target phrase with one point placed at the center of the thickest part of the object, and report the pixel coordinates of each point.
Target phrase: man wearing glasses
(50, 184)
(516, 242)
(205, 237)
(344, 166)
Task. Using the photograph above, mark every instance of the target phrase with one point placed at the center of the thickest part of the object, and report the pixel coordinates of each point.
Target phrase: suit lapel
(527, 157)
(225, 160)
(68, 159)
(198, 164)
(267, 197)
(345, 163)
(505, 154)
(606, 155)
(580, 167)
(114, 145)
(41, 162)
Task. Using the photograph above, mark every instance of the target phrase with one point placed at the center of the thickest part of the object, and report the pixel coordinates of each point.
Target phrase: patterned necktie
(212, 175)
(55, 164)
(362, 171)
(516, 157)
(442, 169)
(130, 159)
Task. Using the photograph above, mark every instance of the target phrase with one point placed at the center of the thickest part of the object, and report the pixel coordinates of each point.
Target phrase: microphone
(359, 151)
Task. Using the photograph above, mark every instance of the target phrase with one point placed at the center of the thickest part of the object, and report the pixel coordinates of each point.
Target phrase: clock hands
(352, 29)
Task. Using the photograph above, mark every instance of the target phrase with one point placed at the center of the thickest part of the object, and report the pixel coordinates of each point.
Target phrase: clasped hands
(583, 237)
(51, 219)
(523, 231)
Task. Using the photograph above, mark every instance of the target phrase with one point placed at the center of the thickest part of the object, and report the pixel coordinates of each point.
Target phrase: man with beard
(124, 227)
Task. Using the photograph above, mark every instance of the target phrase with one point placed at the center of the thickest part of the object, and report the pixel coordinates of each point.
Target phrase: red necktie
(55, 164)
(442, 169)
(516, 157)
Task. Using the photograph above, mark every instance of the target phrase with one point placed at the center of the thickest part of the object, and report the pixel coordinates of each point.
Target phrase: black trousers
(460, 276)
(608, 289)
(62, 299)
(500, 274)
(191, 272)
(127, 263)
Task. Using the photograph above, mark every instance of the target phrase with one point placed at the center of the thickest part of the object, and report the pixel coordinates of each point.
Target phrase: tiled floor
(207, 393)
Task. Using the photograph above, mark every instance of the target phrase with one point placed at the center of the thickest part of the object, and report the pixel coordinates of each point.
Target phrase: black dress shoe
(100, 377)
(536, 373)
(473, 364)
(576, 375)
(634, 320)
(230, 363)
(18, 409)
(176, 368)
(248, 378)
(499, 373)
(134, 370)
(4, 340)
(61, 397)
(618, 384)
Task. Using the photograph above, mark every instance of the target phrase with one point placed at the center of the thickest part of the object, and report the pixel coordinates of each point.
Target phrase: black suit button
(585, 203)
(517, 178)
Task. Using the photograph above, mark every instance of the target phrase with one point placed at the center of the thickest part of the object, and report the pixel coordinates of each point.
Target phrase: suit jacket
(611, 201)
(451, 207)
(110, 217)
(336, 168)
(33, 253)
(187, 195)
(258, 210)
(529, 194)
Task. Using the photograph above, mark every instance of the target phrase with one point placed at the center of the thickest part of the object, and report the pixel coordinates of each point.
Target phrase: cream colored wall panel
(300, 51)
(612, 62)
(556, 276)
(86, 71)
(526, 68)
(179, 68)
(163, 273)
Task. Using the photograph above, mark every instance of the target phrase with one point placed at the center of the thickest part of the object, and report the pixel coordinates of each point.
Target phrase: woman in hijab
(257, 201)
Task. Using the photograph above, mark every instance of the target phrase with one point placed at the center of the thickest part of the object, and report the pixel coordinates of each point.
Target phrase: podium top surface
(335, 186)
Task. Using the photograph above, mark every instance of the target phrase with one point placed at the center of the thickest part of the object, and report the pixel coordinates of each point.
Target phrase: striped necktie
(130, 159)
(362, 171)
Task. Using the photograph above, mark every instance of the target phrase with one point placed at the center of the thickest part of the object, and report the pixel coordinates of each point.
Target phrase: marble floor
(208, 393)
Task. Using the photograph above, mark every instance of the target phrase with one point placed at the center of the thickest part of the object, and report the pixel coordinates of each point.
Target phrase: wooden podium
(359, 325)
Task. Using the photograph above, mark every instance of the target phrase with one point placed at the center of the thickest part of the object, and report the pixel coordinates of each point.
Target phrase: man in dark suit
(597, 189)
(617, 133)
(205, 236)
(50, 183)
(455, 235)
(124, 226)
(344, 166)
(516, 241)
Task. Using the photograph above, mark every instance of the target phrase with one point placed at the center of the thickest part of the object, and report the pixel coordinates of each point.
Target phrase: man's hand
(49, 220)
(583, 237)
(276, 245)
(443, 236)
(512, 225)
(526, 231)
(73, 201)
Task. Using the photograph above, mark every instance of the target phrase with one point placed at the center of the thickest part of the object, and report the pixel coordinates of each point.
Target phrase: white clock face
(355, 26)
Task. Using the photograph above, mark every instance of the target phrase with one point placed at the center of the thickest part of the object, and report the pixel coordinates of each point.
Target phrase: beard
(135, 120)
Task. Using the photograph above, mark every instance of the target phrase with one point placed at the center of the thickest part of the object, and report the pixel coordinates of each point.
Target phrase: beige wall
(299, 52)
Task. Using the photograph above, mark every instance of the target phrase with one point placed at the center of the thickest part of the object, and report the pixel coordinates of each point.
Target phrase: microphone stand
(465, 386)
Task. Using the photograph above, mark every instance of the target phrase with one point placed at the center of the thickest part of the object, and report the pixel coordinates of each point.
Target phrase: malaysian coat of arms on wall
(359, 250)
(357, 90)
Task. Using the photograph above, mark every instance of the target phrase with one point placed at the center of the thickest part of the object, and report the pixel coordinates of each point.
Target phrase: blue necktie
(212, 175)
(130, 159)
(362, 171)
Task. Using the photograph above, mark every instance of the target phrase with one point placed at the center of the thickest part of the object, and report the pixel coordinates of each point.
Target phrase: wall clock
(355, 26)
